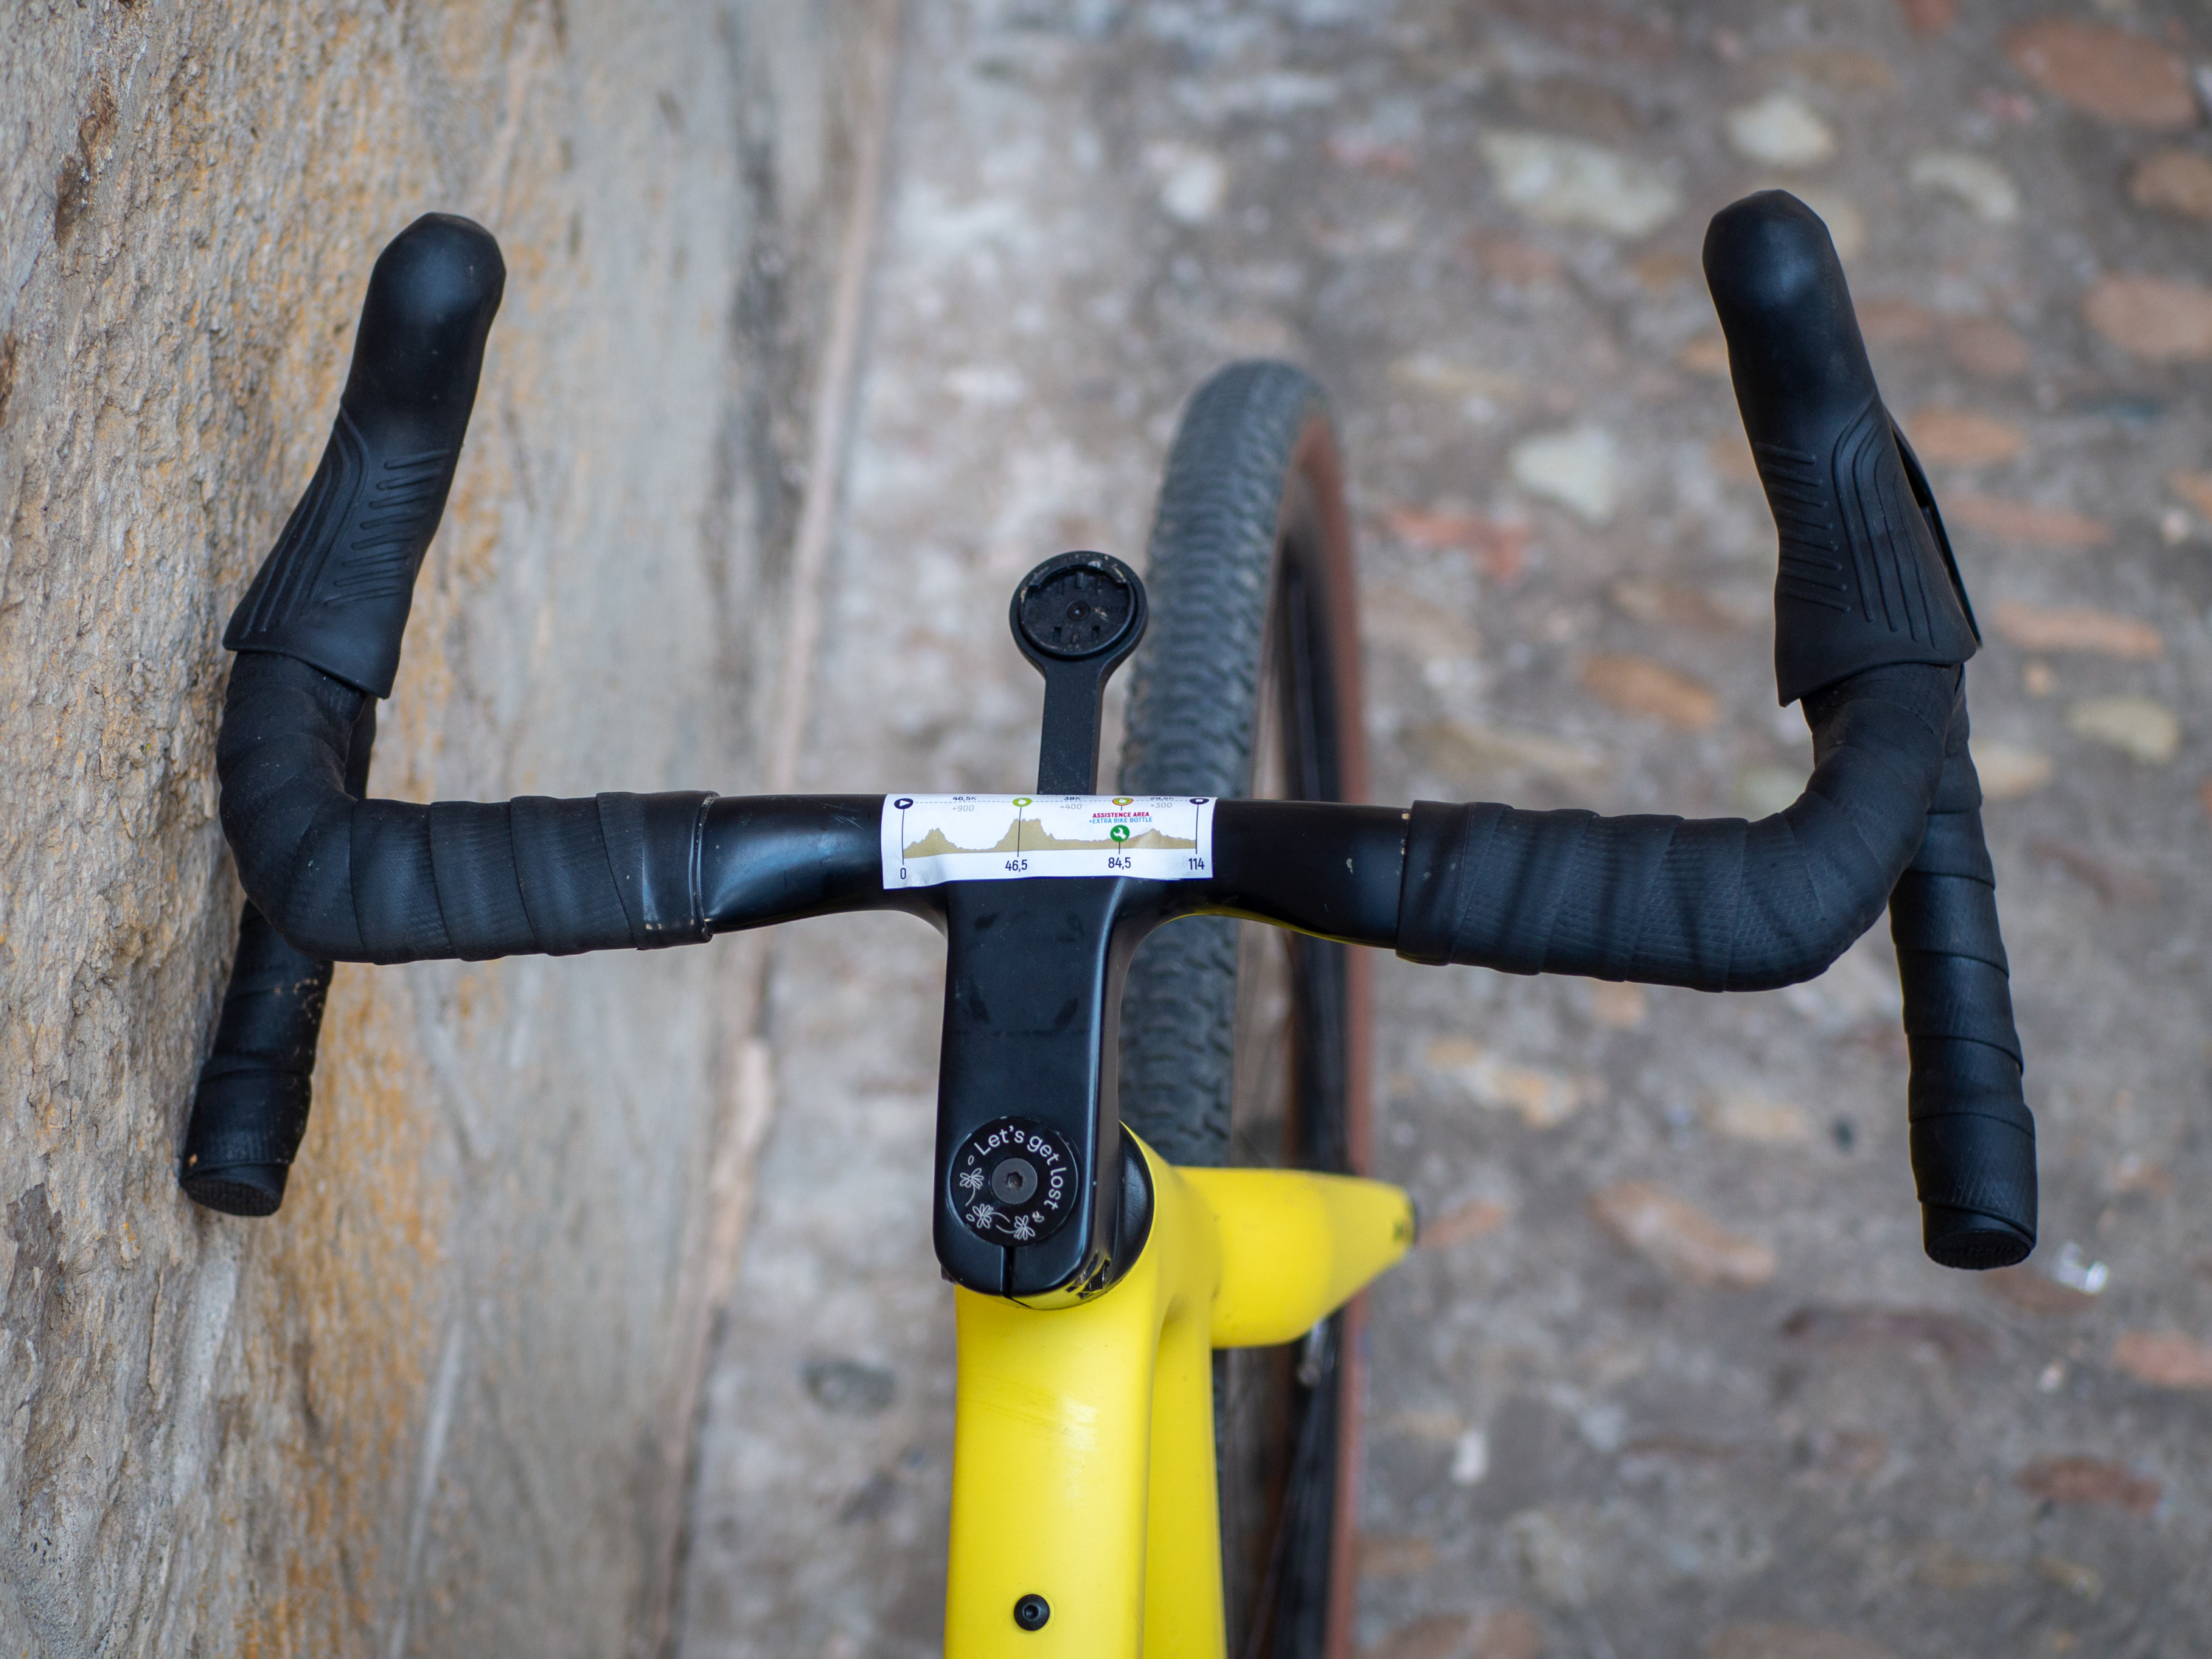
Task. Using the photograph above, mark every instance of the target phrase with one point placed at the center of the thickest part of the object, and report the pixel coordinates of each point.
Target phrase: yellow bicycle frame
(1082, 1459)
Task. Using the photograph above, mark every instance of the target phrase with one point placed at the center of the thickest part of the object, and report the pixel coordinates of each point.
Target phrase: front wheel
(1240, 1043)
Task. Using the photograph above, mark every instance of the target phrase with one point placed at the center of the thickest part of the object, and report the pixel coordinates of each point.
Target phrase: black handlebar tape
(1972, 1138)
(250, 1111)
(335, 590)
(1716, 905)
(351, 880)
(1864, 581)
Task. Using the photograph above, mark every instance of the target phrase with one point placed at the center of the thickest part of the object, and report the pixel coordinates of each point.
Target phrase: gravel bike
(1148, 1187)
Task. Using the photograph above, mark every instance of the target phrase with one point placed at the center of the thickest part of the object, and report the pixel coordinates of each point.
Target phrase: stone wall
(440, 1403)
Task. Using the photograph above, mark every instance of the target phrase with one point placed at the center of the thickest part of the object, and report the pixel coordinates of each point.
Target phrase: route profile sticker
(930, 839)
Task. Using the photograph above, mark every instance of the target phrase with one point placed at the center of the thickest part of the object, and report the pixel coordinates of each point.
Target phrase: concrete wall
(440, 1403)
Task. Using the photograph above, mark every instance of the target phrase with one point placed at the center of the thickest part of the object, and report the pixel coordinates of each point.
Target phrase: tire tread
(1192, 706)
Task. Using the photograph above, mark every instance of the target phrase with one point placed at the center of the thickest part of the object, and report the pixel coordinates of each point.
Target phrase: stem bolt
(1031, 1611)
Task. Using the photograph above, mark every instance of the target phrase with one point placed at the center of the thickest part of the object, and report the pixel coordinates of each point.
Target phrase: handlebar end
(251, 1190)
(1971, 1240)
(1974, 1158)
